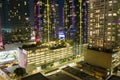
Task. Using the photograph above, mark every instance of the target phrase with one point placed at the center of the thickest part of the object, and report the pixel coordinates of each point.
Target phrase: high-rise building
(104, 25)
(75, 18)
(5, 20)
(5, 15)
(85, 19)
(46, 19)
(19, 12)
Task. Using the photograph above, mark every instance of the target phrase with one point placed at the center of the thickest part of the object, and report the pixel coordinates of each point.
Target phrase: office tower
(75, 15)
(104, 23)
(46, 19)
(19, 12)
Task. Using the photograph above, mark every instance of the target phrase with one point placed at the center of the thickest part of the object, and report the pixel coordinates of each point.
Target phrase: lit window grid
(48, 56)
(92, 29)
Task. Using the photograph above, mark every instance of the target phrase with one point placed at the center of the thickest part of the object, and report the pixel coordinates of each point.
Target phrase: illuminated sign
(61, 35)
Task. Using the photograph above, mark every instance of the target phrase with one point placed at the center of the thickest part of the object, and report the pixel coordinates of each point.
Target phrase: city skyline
(61, 39)
(24, 20)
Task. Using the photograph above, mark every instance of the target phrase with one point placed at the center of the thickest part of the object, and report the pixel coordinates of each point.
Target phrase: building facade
(41, 56)
(46, 19)
(75, 18)
(5, 15)
(103, 26)
(19, 13)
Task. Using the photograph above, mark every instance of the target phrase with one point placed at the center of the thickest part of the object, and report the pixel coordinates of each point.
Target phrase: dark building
(37, 76)
(19, 12)
(5, 15)
(5, 21)
(16, 20)
(113, 77)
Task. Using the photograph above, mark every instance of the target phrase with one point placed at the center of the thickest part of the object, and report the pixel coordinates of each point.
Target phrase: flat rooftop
(114, 77)
(37, 76)
(60, 76)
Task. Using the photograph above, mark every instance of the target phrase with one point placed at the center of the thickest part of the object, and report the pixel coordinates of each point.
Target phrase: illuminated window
(97, 11)
(91, 24)
(118, 34)
(109, 14)
(109, 24)
(118, 30)
(9, 20)
(109, 28)
(114, 14)
(110, 1)
(18, 4)
(15, 13)
(108, 33)
(19, 17)
(90, 33)
(91, 20)
(113, 38)
(14, 7)
(91, 15)
(97, 32)
(10, 10)
(101, 17)
(108, 39)
(113, 23)
(115, 1)
(25, 13)
(110, 4)
(24, 2)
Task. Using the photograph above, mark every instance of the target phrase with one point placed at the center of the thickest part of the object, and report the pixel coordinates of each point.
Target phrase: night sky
(61, 5)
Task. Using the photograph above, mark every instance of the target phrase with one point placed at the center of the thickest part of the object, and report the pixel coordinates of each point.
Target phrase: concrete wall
(100, 59)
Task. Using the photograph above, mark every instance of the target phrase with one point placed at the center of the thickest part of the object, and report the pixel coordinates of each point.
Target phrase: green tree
(19, 72)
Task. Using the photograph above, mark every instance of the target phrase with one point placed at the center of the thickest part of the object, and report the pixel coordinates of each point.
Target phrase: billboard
(61, 35)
